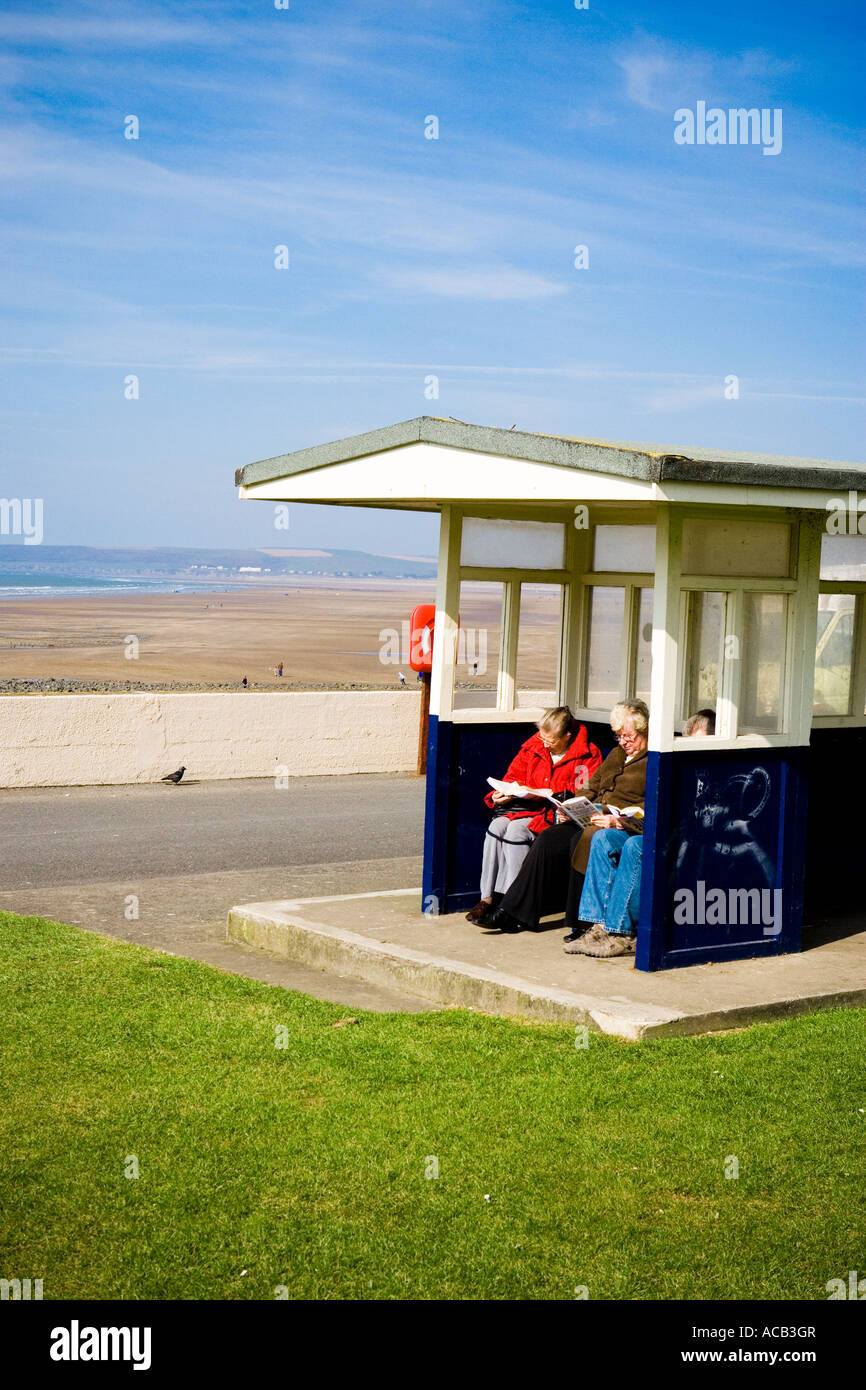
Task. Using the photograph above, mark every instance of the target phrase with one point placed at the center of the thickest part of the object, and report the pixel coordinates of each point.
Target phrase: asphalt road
(54, 836)
(189, 853)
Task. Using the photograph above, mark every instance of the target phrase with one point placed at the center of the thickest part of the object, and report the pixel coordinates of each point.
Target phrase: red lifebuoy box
(421, 637)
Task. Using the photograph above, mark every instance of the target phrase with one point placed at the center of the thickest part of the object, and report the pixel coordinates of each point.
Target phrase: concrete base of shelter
(383, 938)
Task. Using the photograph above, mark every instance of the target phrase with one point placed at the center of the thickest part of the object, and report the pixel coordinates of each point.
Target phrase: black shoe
(576, 932)
(503, 921)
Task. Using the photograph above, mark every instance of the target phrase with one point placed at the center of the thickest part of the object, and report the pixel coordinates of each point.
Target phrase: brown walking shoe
(604, 946)
(577, 946)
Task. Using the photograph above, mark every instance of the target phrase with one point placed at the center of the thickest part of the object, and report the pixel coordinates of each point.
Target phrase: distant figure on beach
(280, 669)
(402, 679)
(244, 682)
(275, 670)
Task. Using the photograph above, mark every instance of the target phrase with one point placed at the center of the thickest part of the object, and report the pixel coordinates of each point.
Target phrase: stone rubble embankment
(59, 686)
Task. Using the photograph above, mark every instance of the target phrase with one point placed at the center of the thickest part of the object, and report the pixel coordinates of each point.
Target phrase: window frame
(853, 719)
(801, 585)
(670, 584)
(730, 671)
(633, 582)
(576, 581)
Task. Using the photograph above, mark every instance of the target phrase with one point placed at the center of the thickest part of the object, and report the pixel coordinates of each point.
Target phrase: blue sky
(410, 256)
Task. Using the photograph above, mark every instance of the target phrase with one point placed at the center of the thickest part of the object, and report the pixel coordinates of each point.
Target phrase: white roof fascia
(432, 473)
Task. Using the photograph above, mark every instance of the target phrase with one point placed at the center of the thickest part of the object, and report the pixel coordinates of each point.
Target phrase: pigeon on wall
(174, 776)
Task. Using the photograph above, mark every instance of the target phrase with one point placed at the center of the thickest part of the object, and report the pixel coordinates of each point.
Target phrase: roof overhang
(422, 463)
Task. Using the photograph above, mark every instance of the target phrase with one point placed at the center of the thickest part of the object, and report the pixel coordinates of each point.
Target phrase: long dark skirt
(547, 883)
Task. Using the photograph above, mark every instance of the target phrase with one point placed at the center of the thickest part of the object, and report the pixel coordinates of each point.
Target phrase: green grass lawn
(305, 1165)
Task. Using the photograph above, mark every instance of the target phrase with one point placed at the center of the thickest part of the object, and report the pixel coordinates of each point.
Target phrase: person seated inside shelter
(546, 879)
(700, 725)
(561, 758)
(610, 899)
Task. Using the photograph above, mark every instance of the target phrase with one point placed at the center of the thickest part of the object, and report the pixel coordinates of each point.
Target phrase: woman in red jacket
(561, 757)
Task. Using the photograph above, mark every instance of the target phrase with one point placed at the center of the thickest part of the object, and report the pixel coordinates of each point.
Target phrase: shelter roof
(652, 463)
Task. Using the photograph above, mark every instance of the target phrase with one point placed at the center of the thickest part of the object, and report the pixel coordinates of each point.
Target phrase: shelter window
(840, 649)
(742, 549)
(735, 659)
(624, 549)
(737, 622)
(515, 601)
(834, 654)
(498, 544)
(762, 663)
(538, 645)
(644, 644)
(617, 661)
(705, 637)
(843, 558)
(479, 644)
(606, 621)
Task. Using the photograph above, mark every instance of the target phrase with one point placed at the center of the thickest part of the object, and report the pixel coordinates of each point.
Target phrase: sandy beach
(325, 633)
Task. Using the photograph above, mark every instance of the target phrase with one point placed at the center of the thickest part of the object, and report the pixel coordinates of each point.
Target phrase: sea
(15, 586)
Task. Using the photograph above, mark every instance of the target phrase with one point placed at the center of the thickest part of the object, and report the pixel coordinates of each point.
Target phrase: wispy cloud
(411, 256)
(401, 214)
(53, 30)
(658, 74)
(647, 72)
(476, 282)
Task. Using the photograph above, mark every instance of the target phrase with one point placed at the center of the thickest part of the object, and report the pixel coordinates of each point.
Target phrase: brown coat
(616, 783)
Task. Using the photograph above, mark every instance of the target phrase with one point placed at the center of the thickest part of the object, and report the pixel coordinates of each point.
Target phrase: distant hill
(84, 561)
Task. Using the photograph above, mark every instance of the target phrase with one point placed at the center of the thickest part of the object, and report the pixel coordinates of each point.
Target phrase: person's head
(629, 720)
(700, 725)
(556, 728)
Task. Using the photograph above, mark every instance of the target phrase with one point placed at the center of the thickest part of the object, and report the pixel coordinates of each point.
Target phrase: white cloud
(657, 75)
(646, 73)
(504, 282)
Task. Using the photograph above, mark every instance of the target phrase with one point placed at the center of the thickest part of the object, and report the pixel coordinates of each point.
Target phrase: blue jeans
(611, 890)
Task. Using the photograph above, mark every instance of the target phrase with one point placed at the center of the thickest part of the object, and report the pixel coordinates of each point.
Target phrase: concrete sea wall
(89, 740)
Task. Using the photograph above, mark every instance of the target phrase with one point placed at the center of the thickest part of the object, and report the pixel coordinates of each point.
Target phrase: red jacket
(533, 767)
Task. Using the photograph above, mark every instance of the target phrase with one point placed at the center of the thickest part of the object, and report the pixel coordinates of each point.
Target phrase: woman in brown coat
(552, 873)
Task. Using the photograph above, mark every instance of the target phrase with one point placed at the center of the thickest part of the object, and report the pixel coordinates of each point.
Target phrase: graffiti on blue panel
(723, 880)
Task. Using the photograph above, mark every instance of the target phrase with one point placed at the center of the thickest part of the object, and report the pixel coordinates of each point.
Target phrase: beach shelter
(582, 572)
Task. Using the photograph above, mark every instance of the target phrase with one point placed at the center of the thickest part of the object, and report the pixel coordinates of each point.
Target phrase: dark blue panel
(436, 813)
(650, 936)
(834, 845)
(724, 856)
(460, 758)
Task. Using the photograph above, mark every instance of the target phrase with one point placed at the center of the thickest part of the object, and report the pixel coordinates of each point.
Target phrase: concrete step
(621, 1001)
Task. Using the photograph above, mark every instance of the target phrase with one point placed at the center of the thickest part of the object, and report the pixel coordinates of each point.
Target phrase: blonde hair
(559, 721)
(633, 712)
(705, 719)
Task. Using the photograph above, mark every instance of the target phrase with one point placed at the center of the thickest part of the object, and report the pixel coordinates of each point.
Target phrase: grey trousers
(506, 845)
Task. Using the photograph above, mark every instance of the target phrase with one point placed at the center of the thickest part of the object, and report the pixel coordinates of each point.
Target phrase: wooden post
(424, 723)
